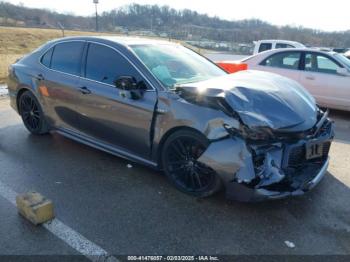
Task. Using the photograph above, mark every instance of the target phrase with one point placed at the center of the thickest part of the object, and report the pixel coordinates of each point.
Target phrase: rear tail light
(232, 67)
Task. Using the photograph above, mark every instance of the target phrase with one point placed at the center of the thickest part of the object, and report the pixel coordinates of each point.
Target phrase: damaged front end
(288, 165)
(280, 149)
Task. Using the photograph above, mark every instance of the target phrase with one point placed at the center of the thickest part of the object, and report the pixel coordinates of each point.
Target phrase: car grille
(297, 154)
(326, 147)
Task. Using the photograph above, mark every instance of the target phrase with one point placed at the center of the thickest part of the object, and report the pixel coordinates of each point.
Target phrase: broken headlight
(258, 134)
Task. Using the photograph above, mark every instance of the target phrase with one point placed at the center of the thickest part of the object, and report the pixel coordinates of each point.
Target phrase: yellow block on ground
(35, 207)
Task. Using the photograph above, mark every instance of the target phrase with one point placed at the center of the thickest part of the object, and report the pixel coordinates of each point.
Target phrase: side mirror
(343, 71)
(130, 88)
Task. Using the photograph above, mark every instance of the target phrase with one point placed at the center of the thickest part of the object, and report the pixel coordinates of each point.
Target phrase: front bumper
(243, 193)
(277, 170)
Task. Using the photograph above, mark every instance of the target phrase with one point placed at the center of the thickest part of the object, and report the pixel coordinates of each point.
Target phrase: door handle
(310, 78)
(84, 90)
(40, 77)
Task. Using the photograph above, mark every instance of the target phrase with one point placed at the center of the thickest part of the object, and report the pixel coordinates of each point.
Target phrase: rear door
(321, 79)
(283, 63)
(109, 114)
(59, 81)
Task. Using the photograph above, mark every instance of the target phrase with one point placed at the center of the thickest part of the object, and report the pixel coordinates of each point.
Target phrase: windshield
(174, 64)
(343, 59)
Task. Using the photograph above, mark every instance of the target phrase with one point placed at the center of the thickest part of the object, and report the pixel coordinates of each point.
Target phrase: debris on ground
(289, 244)
(35, 207)
(129, 166)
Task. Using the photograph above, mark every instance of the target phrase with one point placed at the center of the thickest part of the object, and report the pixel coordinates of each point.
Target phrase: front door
(320, 77)
(111, 115)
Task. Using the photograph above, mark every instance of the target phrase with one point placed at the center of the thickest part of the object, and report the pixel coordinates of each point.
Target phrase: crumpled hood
(262, 99)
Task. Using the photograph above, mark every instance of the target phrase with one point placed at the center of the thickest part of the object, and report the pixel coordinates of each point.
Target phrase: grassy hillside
(15, 42)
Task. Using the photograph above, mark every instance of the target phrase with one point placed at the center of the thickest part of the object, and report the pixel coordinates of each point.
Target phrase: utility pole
(96, 2)
(62, 28)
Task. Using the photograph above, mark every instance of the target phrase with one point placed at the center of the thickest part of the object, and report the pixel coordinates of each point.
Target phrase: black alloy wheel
(32, 115)
(180, 162)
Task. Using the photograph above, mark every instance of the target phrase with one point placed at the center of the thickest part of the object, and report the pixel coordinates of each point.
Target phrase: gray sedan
(258, 135)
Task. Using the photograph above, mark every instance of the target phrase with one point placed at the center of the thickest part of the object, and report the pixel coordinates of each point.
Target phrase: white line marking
(8, 193)
(66, 234)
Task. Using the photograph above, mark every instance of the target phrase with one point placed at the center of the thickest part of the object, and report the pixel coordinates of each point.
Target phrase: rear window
(67, 57)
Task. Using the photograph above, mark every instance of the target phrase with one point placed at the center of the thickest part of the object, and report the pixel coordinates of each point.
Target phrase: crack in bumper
(240, 192)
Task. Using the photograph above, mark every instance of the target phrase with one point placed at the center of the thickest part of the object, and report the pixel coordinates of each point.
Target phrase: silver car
(326, 75)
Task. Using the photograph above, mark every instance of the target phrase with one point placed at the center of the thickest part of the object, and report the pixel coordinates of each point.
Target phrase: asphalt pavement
(129, 211)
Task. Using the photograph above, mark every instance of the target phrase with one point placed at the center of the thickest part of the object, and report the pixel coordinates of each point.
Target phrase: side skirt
(104, 147)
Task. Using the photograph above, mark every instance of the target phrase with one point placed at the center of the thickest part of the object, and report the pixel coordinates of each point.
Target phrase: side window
(103, 64)
(281, 45)
(264, 47)
(67, 57)
(285, 60)
(320, 63)
(46, 59)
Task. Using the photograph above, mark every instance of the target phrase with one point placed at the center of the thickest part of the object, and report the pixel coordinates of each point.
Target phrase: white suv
(264, 45)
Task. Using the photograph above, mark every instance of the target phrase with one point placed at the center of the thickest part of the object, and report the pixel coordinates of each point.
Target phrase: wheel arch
(167, 135)
(20, 92)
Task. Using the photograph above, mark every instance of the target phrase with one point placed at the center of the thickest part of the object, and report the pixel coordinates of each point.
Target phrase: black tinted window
(264, 47)
(105, 65)
(46, 59)
(66, 57)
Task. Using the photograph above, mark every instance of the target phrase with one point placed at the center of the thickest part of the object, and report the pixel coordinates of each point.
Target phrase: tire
(179, 160)
(32, 114)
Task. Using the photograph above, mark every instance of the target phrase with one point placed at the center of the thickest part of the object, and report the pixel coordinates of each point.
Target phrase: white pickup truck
(263, 45)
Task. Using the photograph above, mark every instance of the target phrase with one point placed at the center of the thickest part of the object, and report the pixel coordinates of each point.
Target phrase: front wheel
(180, 155)
(32, 114)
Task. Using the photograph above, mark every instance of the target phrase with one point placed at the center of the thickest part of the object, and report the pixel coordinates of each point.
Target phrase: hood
(262, 99)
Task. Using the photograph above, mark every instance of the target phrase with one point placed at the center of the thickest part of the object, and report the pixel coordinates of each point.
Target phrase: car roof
(267, 53)
(271, 51)
(279, 41)
(122, 40)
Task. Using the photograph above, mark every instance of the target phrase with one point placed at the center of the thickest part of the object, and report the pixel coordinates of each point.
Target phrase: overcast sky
(326, 15)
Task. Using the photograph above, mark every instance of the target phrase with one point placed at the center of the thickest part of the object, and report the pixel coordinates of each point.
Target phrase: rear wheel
(180, 155)
(32, 114)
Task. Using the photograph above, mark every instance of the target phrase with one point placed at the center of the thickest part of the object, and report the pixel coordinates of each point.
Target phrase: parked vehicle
(340, 50)
(160, 104)
(264, 45)
(326, 75)
(347, 54)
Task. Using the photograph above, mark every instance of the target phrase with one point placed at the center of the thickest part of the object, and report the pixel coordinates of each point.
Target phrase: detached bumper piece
(282, 169)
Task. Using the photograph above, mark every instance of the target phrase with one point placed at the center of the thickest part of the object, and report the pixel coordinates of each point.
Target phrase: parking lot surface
(129, 211)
